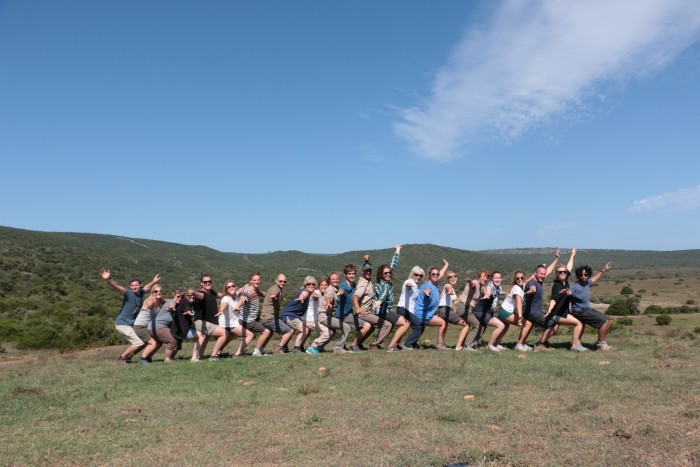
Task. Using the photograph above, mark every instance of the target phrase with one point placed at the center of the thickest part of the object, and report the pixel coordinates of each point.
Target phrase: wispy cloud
(672, 201)
(533, 60)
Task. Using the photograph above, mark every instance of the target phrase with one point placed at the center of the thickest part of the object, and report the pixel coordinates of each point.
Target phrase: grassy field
(637, 405)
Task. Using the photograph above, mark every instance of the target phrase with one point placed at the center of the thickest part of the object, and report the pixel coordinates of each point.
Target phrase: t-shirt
(472, 295)
(561, 307)
(345, 300)
(206, 308)
(407, 299)
(164, 317)
(230, 317)
(580, 295)
(447, 299)
(295, 308)
(249, 309)
(130, 305)
(510, 304)
(271, 306)
(426, 305)
(314, 306)
(533, 302)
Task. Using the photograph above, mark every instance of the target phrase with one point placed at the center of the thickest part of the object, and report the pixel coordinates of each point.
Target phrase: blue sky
(347, 125)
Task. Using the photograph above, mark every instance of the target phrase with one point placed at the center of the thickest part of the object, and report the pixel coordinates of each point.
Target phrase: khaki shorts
(142, 333)
(129, 334)
(205, 327)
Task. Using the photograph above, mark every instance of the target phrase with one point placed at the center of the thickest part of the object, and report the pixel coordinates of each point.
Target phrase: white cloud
(535, 60)
(684, 199)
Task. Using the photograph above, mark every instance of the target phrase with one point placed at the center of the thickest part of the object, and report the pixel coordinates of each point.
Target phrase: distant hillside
(52, 296)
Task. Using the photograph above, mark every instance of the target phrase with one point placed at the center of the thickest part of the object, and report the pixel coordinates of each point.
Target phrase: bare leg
(403, 325)
(131, 350)
(498, 324)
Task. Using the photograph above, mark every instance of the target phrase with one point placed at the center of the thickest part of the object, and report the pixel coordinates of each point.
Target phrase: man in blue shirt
(581, 304)
(133, 299)
(345, 311)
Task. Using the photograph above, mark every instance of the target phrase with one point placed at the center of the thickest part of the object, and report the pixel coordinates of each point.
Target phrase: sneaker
(285, 349)
(527, 347)
(355, 348)
(259, 353)
(469, 349)
(494, 349)
(362, 348)
(578, 348)
(281, 351)
(340, 350)
(236, 356)
(297, 351)
(500, 347)
(121, 361)
(442, 346)
(408, 348)
(542, 347)
(312, 351)
(603, 346)
(144, 361)
(394, 349)
(214, 358)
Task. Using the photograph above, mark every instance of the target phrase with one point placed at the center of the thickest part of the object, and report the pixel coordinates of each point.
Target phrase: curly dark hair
(581, 269)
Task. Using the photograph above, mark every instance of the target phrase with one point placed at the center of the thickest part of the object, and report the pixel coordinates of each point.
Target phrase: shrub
(624, 307)
(624, 321)
(653, 310)
(696, 330)
(663, 320)
(642, 290)
(38, 337)
(626, 290)
(690, 302)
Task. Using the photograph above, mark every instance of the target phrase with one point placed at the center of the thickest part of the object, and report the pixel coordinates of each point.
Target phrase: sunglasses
(452, 277)
(584, 274)
(434, 274)
(206, 282)
(233, 286)
(561, 272)
(387, 273)
(418, 275)
(520, 278)
(157, 292)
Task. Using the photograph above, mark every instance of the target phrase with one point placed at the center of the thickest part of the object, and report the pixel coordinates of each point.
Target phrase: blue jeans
(417, 329)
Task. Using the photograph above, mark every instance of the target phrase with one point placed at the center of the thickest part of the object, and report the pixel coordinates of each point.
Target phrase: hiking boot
(578, 348)
(441, 346)
(603, 346)
(312, 351)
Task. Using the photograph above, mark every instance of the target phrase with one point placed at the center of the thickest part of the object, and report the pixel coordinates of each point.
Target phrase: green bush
(663, 320)
(696, 330)
(38, 337)
(624, 307)
(624, 321)
(626, 290)
(690, 302)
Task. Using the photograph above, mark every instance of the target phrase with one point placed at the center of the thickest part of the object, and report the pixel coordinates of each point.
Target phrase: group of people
(333, 307)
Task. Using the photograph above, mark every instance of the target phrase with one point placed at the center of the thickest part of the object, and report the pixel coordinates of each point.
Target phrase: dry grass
(638, 405)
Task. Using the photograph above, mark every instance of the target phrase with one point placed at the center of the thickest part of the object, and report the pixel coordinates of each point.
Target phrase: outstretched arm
(395, 258)
(148, 286)
(570, 264)
(106, 275)
(444, 269)
(608, 265)
(551, 267)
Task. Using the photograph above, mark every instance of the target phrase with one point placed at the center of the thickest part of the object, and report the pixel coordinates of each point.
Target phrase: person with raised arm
(382, 304)
(581, 304)
(424, 312)
(230, 320)
(162, 325)
(469, 298)
(346, 312)
(511, 311)
(131, 304)
(486, 306)
(249, 304)
(144, 325)
(534, 311)
(295, 310)
(270, 317)
(328, 321)
(446, 310)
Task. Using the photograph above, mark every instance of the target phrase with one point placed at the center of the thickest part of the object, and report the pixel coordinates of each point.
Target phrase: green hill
(51, 295)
